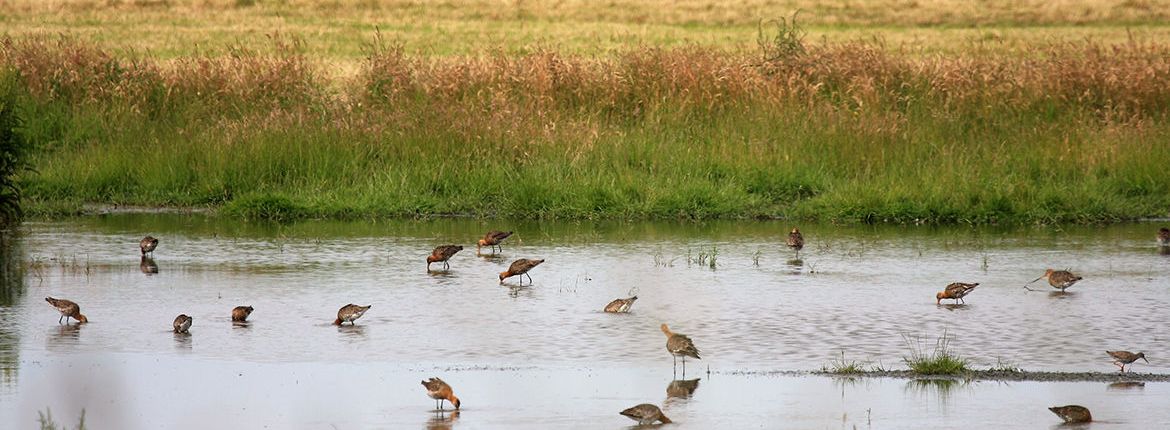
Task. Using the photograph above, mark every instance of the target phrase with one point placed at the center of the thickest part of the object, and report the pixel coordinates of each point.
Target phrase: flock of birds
(679, 346)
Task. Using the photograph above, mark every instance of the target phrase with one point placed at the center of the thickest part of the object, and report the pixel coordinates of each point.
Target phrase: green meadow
(891, 111)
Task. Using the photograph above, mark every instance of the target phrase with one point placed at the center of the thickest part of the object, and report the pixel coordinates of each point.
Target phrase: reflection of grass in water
(939, 361)
(935, 387)
(46, 420)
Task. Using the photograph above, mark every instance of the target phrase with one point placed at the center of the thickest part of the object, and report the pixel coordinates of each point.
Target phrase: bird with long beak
(1072, 413)
(1059, 278)
(520, 268)
(956, 291)
(646, 414)
(1122, 358)
(68, 310)
(492, 239)
(440, 391)
(442, 254)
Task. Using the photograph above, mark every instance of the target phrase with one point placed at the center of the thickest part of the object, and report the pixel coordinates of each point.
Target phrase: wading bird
(1072, 413)
(620, 305)
(442, 253)
(646, 414)
(1164, 236)
(956, 291)
(350, 313)
(240, 313)
(493, 239)
(680, 346)
(147, 245)
(1122, 358)
(796, 240)
(182, 323)
(1059, 278)
(520, 268)
(68, 309)
(440, 391)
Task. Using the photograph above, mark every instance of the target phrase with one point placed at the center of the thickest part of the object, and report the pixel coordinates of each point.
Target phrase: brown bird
(350, 313)
(646, 414)
(493, 239)
(68, 310)
(442, 253)
(1164, 236)
(518, 268)
(620, 305)
(956, 291)
(1059, 278)
(1072, 413)
(440, 391)
(796, 240)
(240, 313)
(1122, 358)
(147, 245)
(680, 346)
(182, 323)
(682, 389)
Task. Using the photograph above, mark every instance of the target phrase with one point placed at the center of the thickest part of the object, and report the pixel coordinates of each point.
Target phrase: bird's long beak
(1037, 279)
(1144, 359)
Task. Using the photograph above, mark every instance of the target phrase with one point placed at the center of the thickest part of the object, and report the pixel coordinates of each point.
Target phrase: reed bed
(846, 132)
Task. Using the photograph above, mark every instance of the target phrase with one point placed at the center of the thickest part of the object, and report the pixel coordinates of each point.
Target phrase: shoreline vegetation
(849, 131)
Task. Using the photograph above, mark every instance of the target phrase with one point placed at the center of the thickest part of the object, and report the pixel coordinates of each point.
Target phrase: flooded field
(545, 355)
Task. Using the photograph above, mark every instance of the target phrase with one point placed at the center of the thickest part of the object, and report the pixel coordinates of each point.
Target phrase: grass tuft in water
(841, 366)
(938, 360)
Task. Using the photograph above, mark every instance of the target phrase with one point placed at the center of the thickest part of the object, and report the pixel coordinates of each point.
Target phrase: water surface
(544, 353)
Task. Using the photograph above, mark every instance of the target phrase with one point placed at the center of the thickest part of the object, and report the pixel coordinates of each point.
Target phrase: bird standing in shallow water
(680, 346)
(350, 313)
(620, 305)
(1072, 413)
(442, 253)
(646, 414)
(1059, 278)
(240, 313)
(796, 240)
(956, 291)
(182, 323)
(492, 239)
(519, 268)
(1122, 358)
(147, 245)
(1164, 236)
(68, 309)
(440, 391)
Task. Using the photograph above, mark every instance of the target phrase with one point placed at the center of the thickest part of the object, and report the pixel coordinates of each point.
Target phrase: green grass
(841, 132)
(841, 366)
(936, 360)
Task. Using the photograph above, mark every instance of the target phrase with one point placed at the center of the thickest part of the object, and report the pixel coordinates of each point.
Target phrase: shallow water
(545, 354)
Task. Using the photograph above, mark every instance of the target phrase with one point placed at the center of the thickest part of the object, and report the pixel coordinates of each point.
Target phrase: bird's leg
(529, 278)
(446, 266)
(59, 319)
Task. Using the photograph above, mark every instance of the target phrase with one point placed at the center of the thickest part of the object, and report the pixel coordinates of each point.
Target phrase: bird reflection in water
(147, 265)
(183, 341)
(67, 334)
(1126, 385)
(795, 266)
(682, 388)
(442, 420)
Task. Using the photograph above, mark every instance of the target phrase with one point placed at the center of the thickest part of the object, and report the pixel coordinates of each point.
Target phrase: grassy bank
(853, 132)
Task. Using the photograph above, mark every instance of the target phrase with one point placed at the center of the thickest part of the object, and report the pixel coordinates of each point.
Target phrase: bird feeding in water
(520, 268)
(68, 310)
(1060, 279)
(350, 313)
(440, 391)
(441, 254)
(646, 414)
(492, 239)
(956, 291)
